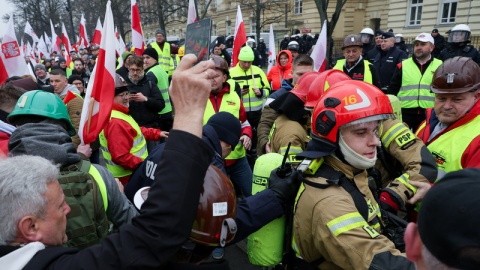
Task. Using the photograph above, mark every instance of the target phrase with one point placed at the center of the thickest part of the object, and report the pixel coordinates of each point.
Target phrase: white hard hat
(293, 45)
(286, 36)
(398, 35)
(461, 27)
(367, 31)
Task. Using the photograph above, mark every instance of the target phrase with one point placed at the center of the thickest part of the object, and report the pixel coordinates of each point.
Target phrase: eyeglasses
(135, 70)
(124, 95)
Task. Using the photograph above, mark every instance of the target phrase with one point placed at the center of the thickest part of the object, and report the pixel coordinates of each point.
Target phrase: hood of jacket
(289, 63)
(70, 87)
(46, 140)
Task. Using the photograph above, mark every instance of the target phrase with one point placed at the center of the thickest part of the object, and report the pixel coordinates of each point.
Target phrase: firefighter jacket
(403, 158)
(286, 131)
(415, 90)
(164, 57)
(328, 225)
(227, 100)
(457, 146)
(254, 77)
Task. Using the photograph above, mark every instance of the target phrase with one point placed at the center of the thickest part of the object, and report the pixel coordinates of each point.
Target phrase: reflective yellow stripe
(421, 127)
(404, 179)
(346, 223)
(293, 150)
(392, 133)
(101, 185)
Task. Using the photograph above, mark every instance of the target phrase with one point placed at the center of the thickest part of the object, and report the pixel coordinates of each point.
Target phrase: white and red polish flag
(192, 12)
(272, 52)
(137, 32)
(97, 34)
(82, 32)
(240, 37)
(56, 41)
(319, 53)
(98, 101)
(12, 62)
(42, 48)
(67, 44)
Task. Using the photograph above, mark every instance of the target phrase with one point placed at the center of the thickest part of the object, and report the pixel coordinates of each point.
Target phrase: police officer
(458, 40)
(353, 64)
(386, 61)
(367, 38)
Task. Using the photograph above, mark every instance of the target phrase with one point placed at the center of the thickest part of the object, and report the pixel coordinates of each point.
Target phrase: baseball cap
(449, 217)
(220, 63)
(425, 37)
(435, 30)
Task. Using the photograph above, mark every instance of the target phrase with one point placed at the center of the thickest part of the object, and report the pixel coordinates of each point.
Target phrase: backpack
(87, 222)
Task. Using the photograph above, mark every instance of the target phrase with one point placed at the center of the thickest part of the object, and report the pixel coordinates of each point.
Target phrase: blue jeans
(241, 174)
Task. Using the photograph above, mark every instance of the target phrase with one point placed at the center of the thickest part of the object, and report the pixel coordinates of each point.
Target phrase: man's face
(40, 73)
(451, 107)
(352, 54)
(362, 138)
(135, 71)
(434, 34)
(217, 81)
(148, 61)
(298, 72)
(63, 64)
(245, 65)
(79, 85)
(226, 149)
(73, 55)
(159, 38)
(122, 99)
(458, 36)
(58, 82)
(78, 65)
(52, 227)
(95, 52)
(387, 43)
(217, 50)
(422, 50)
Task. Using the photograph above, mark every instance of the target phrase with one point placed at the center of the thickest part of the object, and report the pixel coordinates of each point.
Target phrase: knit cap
(151, 52)
(227, 127)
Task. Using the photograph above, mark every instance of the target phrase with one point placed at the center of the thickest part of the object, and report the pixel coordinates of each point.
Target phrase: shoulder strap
(338, 178)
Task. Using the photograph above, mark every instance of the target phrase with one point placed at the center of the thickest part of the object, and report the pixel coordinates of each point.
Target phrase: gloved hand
(387, 203)
(284, 187)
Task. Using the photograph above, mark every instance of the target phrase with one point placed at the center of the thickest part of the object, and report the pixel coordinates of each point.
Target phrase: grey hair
(23, 184)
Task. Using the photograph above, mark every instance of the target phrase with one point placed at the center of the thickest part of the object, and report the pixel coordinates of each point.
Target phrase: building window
(448, 9)
(228, 27)
(298, 7)
(253, 25)
(415, 16)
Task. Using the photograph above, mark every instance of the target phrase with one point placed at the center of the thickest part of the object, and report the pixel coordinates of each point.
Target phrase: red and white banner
(67, 45)
(272, 52)
(240, 37)
(98, 101)
(42, 48)
(192, 12)
(12, 59)
(97, 34)
(29, 31)
(56, 41)
(137, 32)
(82, 32)
(319, 53)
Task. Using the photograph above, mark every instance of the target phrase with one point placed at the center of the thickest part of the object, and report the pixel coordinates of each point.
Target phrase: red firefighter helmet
(322, 83)
(301, 88)
(214, 223)
(348, 102)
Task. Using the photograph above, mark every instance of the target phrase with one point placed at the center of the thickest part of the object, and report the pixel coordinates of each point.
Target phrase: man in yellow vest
(122, 141)
(411, 81)
(255, 87)
(452, 128)
(354, 65)
(224, 97)
(163, 49)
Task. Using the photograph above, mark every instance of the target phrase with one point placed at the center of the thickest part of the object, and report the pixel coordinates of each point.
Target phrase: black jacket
(439, 45)
(146, 113)
(386, 62)
(163, 226)
(460, 50)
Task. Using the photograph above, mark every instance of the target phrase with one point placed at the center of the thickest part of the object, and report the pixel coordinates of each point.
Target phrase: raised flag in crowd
(29, 31)
(97, 34)
(272, 52)
(67, 45)
(82, 32)
(99, 94)
(56, 41)
(42, 48)
(12, 59)
(192, 12)
(319, 52)
(137, 32)
(240, 37)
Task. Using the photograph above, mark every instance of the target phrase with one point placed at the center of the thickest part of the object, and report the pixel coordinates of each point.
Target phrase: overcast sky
(5, 7)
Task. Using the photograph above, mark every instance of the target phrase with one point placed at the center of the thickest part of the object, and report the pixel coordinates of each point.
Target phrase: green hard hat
(41, 103)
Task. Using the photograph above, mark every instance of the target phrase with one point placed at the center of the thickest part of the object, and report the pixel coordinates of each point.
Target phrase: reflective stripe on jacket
(162, 83)
(244, 78)
(367, 76)
(164, 58)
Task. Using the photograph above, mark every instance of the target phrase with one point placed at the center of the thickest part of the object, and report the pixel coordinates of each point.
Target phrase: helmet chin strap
(353, 158)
